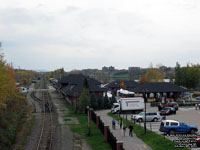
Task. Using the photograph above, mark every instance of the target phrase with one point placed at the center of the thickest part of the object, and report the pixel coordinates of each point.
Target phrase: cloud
(83, 34)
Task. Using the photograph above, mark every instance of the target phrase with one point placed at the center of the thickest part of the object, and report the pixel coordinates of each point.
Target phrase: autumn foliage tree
(142, 79)
(12, 106)
(24, 77)
(152, 75)
(8, 87)
(122, 85)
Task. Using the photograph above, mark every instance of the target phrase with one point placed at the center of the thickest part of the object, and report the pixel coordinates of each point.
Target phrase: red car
(198, 139)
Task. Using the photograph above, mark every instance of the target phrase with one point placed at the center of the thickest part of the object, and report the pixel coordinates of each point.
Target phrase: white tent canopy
(108, 94)
(125, 92)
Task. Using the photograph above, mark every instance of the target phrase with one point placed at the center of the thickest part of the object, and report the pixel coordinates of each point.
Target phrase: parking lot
(186, 114)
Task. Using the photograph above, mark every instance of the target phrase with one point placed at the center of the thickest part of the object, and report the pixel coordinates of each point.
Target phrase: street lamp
(145, 100)
(88, 108)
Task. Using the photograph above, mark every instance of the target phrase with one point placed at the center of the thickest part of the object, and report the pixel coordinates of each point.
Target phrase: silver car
(150, 116)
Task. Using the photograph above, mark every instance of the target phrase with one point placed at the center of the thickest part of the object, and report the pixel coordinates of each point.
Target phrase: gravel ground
(63, 138)
(66, 135)
(69, 140)
(33, 138)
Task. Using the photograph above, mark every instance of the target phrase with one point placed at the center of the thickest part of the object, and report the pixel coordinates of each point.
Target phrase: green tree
(106, 102)
(113, 99)
(100, 102)
(188, 76)
(179, 74)
(83, 100)
(93, 102)
(85, 83)
(192, 76)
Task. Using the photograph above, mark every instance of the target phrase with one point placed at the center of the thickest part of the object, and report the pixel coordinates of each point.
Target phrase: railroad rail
(35, 97)
(46, 132)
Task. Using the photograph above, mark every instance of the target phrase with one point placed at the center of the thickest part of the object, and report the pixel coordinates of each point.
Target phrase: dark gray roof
(197, 88)
(57, 85)
(155, 87)
(128, 83)
(73, 84)
(72, 79)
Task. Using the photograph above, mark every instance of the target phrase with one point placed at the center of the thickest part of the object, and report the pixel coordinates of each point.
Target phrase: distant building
(108, 69)
(134, 69)
(71, 87)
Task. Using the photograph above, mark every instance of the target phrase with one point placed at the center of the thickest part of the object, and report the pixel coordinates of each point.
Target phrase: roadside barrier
(94, 116)
(101, 126)
(108, 136)
(112, 140)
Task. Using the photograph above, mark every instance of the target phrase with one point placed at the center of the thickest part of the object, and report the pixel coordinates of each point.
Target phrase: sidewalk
(129, 143)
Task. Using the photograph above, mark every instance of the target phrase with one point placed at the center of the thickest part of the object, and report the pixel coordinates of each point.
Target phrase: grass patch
(67, 115)
(96, 140)
(62, 110)
(67, 119)
(155, 141)
(121, 77)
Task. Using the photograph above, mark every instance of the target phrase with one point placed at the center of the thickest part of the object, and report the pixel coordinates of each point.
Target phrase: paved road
(129, 143)
(186, 114)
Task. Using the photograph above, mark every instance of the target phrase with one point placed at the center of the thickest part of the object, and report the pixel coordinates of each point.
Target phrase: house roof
(156, 87)
(72, 79)
(128, 83)
(197, 88)
(74, 84)
(77, 79)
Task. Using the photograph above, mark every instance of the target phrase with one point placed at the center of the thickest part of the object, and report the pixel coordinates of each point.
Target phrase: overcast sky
(80, 34)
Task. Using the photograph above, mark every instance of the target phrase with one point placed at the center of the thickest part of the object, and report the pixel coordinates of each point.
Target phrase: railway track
(35, 97)
(45, 139)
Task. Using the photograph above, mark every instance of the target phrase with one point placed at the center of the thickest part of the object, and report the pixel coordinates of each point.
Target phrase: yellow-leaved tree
(7, 82)
(152, 75)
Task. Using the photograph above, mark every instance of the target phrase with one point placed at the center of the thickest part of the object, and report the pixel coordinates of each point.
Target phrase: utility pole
(145, 100)
(88, 120)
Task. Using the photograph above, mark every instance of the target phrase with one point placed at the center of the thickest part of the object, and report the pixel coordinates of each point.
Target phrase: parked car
(167, 111)
(181, 101)
(150, 116)
(198, 139)
(172, 127)
(174, 105)
(198, 98)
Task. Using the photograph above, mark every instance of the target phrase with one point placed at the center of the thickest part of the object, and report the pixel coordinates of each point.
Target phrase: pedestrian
(120, 123)
(163, 118)
(131, 130)
(196, 106)
(159, 107)
(124, 129)
(167, 105)
(113, 124)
